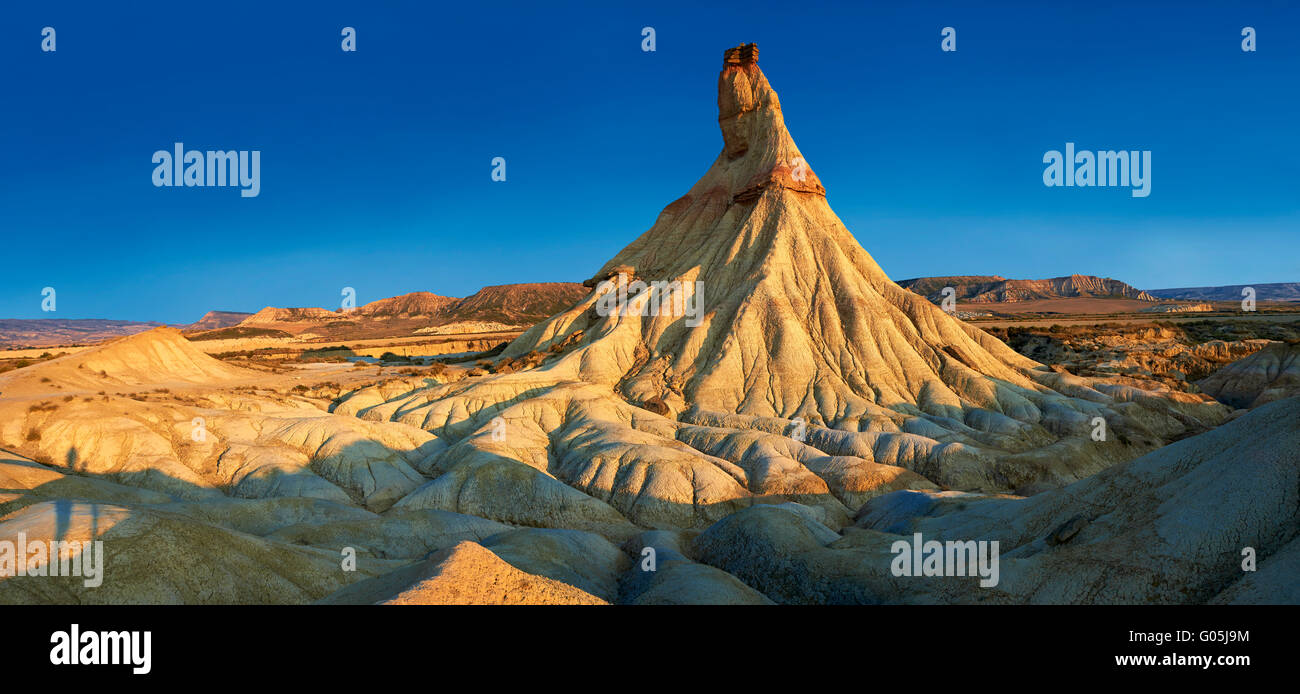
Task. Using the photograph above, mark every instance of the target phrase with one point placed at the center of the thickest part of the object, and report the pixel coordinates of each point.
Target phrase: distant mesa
(506, 307)
(499, 308)
(271, 314)
(989, 289)
(517, 304)
(52, 332)
(213, 320)
(1276, 291)
(413, 305)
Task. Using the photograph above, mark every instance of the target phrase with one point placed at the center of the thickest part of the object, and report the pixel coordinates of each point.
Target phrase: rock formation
(1270, 374)
(810, 377)
(986, 289)
(1179, 308)
(763, 435)
(1142, 355)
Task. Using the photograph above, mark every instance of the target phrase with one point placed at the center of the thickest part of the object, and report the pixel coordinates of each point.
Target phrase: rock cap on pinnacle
(744, 54)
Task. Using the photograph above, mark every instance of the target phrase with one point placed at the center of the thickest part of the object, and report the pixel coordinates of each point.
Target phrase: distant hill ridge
(212, 320)
(989, 289)
(1274, 291)
(51, 332)
(510, 304)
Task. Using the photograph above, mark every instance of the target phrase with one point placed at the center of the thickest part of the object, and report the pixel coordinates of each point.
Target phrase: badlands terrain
(772, 451)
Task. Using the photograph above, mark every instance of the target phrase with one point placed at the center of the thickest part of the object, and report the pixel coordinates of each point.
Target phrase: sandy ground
(1080, 305)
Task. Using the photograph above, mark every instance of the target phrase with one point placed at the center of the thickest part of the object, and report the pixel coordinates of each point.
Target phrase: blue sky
(376, 164)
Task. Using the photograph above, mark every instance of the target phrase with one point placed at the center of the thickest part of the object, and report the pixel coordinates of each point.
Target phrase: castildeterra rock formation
(988, 289)
(639, 416)
(769, 446)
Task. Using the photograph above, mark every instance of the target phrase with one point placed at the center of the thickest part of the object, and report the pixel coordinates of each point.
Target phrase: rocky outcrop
(987, 289)
(215, 320)
(271, 315)
(1270, 374)
(1139, 354)
(735, 428)
(415, 304)
(1180, 308)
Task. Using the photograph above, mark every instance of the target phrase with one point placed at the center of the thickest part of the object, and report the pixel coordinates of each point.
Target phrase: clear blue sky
(376, 164)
